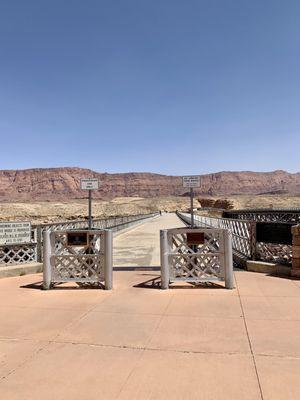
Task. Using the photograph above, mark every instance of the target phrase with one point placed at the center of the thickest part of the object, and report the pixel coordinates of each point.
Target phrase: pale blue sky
(167, 86)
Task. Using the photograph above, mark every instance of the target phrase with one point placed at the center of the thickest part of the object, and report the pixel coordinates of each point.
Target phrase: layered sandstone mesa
(62, 184)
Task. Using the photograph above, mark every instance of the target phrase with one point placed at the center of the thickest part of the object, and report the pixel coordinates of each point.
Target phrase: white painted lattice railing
(244, 243)
(32, 252)
(209, 259)
(17, 254)
(243, 232)
(90, 263)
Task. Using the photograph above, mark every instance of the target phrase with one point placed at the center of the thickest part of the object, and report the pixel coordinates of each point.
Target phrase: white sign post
(15, 232)
(191, 182)
(89, 184)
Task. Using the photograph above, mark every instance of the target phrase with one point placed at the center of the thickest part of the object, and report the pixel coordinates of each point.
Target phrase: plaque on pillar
(195, 238)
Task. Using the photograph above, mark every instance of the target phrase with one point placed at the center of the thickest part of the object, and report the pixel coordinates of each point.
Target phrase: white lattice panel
(78, 268)
(18, 254)
(196, 262)
(78, 263)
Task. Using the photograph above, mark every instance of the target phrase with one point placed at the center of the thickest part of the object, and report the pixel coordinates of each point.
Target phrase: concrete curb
(268, 268)
(20, 269)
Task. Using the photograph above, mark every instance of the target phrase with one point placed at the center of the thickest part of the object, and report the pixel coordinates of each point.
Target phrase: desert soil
(45, 212)
(243, 201)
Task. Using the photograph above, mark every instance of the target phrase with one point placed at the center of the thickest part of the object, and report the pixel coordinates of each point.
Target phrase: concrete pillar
(295, 271)
(164, 260)
(228, 259)
(108, 272)
(47, 260)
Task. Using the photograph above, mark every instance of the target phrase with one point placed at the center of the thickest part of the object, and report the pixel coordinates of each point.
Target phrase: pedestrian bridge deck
(138, 342)
(139, 247)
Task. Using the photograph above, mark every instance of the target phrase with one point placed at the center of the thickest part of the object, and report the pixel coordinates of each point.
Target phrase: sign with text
(77, 238)
(195, 238)
(15, 232)
(191, 181)
(89, 184)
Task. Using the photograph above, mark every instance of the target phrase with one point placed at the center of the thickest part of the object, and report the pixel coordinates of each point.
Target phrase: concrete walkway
(138, 342)
(140, 246)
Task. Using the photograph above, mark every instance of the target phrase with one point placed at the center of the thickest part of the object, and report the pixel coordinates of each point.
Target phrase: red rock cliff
(64, 183)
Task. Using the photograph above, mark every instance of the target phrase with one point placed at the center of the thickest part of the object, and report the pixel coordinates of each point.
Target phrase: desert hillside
(63, 184)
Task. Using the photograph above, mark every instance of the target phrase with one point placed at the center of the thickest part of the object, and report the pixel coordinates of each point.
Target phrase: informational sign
(15, 232)
(195, 238)
(89, 184)
(191, 181)
(77, 238)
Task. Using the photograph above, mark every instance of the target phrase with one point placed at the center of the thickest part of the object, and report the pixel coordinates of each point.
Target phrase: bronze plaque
(77, 239)
(195, 238)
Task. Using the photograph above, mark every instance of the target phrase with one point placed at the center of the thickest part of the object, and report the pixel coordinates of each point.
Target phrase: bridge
(139, 247)
(139, 342)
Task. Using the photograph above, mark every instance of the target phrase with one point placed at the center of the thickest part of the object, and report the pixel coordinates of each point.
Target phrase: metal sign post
(89, 184)
(90, 209)
(192, 206)
(191, 182)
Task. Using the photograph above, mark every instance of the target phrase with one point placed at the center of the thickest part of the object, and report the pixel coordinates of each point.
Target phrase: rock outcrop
(50, 184)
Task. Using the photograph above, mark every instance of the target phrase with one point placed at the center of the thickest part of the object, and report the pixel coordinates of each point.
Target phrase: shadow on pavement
(62, 286)
(154, 283)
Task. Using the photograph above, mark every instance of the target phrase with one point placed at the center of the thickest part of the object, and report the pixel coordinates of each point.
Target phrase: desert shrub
(225, 204)
(207, 202)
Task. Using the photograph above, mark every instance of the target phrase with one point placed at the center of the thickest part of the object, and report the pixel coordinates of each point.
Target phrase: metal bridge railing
(266, 215)
(244, 242)
(243, 232)
(32, 252)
